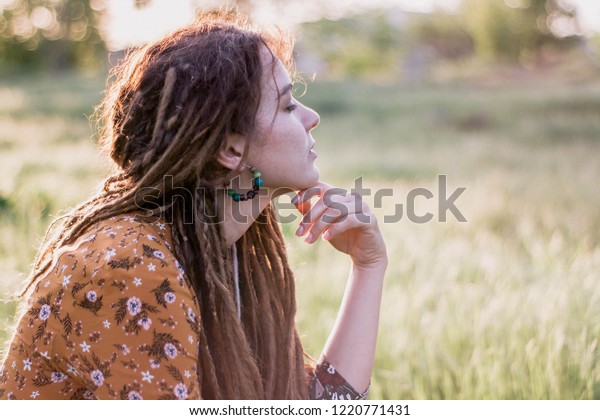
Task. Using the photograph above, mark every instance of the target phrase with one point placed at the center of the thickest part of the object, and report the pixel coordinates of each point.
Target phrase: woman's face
(282, 150)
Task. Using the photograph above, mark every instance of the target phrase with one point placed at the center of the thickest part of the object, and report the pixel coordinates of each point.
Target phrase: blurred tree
(516, 30)
(139, 4)
(51, 34)
(445, 34)
(366, 45)
(592, 49)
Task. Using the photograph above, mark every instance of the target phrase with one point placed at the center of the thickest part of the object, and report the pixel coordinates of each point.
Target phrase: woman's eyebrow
(285, 90)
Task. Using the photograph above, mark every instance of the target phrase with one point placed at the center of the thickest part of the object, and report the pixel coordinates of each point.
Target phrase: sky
(126, 26)
(589, 14)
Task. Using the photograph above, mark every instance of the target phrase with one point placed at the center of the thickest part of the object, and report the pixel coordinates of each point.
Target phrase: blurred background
(502, 96)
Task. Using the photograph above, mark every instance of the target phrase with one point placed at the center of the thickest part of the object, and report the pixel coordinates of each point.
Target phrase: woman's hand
(343, 219)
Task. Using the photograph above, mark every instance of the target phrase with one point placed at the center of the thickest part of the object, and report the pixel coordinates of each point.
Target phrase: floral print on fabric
(110, 320)
(328, 384)
(115, 319)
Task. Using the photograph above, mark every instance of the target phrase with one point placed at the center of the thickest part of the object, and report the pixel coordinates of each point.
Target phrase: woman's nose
(311, 119)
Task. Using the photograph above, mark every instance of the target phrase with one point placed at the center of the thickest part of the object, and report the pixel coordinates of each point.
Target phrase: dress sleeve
(327, 384)
(132, 321)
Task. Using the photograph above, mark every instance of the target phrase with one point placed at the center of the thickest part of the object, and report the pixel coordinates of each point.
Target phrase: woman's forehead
(275, 75)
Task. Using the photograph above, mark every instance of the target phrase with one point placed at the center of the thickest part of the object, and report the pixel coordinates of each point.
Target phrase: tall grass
(506, 305)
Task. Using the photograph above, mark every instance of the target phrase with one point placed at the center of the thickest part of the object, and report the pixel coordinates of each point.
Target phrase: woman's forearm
(351, 343)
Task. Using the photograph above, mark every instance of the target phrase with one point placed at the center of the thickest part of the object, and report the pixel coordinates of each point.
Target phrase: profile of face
(282, 148)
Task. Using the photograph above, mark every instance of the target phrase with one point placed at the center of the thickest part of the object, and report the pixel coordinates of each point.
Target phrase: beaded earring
(257, 182)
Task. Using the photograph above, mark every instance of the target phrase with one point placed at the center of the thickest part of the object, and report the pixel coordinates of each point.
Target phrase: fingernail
(326, 235)
(300, 230)
(309, 238)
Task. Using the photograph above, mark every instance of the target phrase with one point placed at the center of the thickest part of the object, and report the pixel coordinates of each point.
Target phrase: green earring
(257, 182)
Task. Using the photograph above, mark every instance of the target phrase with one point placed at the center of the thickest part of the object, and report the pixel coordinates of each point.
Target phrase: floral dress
(115, 319)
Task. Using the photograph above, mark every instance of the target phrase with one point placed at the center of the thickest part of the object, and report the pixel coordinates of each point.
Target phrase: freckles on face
(281, 149)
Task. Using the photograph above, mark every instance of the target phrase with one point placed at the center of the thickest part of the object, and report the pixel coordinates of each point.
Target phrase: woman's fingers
(344, 220)
(334, 207)
(353, 221)
(324, 222)
(316, 190)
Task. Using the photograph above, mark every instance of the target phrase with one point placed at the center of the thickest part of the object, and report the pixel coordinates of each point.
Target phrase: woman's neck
(239, 216)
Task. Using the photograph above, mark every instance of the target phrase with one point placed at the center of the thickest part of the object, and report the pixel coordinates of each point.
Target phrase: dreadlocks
(167, 113)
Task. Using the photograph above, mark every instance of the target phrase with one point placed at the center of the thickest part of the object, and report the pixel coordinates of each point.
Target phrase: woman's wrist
(370, 269)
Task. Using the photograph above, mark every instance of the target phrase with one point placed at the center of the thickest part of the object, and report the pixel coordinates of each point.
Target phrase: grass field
(506, 305)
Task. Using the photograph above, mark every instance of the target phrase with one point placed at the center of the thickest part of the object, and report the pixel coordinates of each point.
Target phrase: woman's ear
(231, 152)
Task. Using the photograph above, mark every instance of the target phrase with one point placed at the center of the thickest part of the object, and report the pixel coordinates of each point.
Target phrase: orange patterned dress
(116, 319)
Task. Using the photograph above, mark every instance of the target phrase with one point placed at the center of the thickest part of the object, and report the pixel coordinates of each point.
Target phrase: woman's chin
(309, 182)
(298, 184)
(314, 179)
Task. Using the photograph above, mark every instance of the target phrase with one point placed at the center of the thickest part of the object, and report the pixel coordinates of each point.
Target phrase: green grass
(506, 305)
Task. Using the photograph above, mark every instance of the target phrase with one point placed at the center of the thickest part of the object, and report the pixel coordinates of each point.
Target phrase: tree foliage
(50, 34)
(58, 34)
(366, 45)
(445, 34)
(514, 30)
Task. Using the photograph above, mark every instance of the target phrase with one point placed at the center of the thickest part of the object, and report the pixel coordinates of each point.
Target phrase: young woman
(173, 281)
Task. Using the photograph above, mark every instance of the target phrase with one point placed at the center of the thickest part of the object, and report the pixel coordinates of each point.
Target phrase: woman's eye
(291, 107)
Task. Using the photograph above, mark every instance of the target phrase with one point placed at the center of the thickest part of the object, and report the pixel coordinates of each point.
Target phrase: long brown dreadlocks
(168, 112)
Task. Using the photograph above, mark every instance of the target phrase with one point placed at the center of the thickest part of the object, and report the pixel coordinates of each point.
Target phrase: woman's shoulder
(114, 257)
(125, 229)
(119, 236)
(118, 283)
(121, 246)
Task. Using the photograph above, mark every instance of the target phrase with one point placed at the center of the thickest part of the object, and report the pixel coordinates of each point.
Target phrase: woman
(173, 281)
